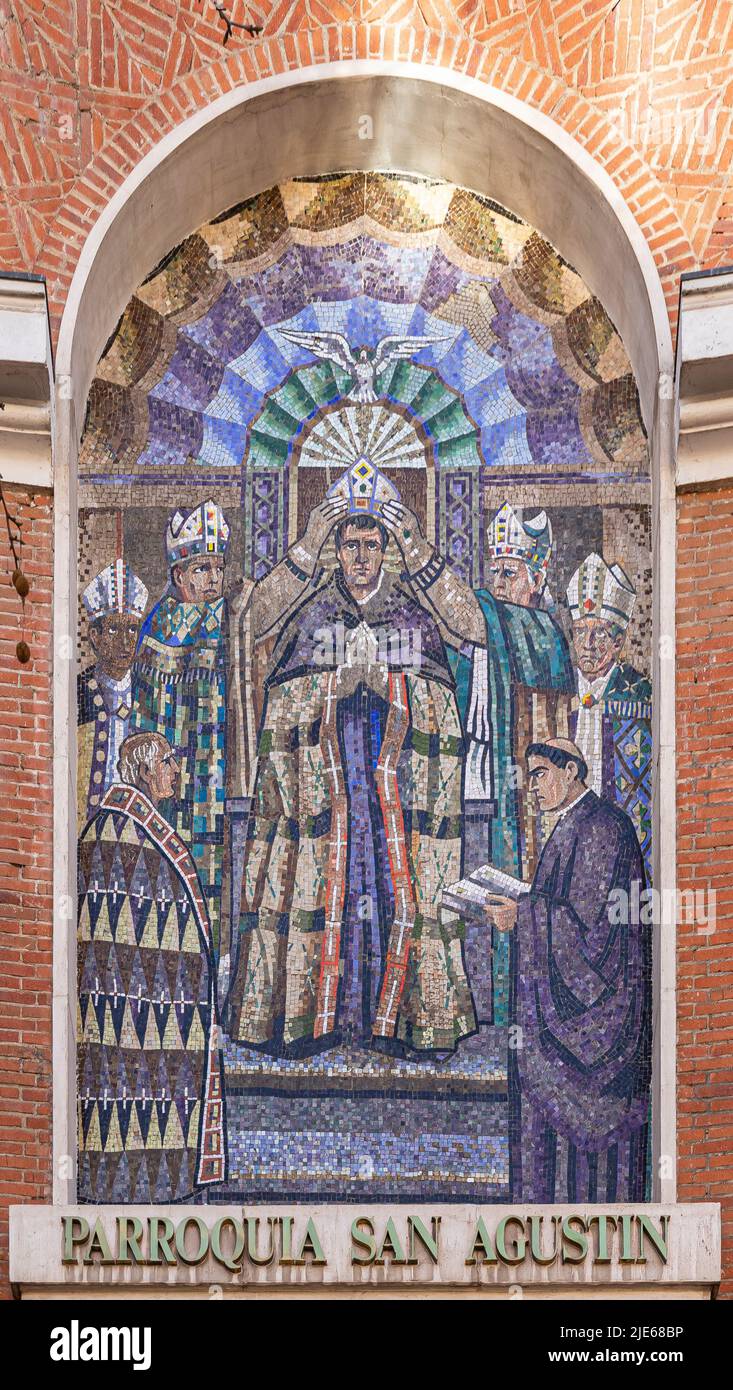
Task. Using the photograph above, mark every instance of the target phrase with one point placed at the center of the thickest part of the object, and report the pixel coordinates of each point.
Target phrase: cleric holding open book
(583, 999)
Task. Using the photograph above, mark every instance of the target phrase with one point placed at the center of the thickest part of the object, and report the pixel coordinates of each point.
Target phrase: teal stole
(525, 646)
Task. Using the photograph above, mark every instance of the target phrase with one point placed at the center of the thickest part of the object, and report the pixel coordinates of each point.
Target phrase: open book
(470, 895)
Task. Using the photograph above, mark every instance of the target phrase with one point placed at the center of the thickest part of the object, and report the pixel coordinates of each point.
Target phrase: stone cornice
(26, 375)
(705, 378)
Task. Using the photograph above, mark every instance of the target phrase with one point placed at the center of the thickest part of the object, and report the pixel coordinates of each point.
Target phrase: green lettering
(203, 1247)
(128, 1245)
(482, 1251)
(576, 1239)
(286, 1257)
(161, 1241)
(627, 1256)
(535, 1231)
(362, 1235)
(390, 1246)
(605, 1224)
(253, 1226)
(659, 1241)
(312, 1245)
(99, 1245)
(76, 1232)
(520, 1243)
(233, 1261)
(418, 1231)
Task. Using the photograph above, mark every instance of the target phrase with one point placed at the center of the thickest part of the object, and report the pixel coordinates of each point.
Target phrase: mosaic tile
(372, 453)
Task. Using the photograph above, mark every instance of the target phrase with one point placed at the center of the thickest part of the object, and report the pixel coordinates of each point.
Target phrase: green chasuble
(512, 692)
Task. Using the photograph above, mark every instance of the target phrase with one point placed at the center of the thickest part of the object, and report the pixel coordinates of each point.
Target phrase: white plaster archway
(428, 121)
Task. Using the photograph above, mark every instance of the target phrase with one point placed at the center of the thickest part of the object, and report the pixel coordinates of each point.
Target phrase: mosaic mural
(364, 716)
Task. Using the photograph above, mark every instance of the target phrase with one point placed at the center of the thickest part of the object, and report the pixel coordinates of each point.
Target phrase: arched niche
(442, 126)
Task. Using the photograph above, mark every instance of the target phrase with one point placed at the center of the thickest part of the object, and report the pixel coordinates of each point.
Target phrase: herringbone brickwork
(645, 85)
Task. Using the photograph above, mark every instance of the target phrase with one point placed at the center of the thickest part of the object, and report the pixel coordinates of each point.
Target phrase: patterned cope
(179, 691)
(151, 1099)
(516, 691)
(298, 926)
(104, 709)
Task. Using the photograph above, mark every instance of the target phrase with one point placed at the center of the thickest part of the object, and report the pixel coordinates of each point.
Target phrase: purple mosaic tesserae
(303, 765)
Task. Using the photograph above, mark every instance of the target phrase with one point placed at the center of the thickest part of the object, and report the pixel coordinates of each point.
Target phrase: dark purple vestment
(584, 1008)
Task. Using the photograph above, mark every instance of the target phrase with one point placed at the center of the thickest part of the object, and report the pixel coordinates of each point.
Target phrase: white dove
(363, 364)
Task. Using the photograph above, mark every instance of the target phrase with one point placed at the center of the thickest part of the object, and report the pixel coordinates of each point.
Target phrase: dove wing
(396, 345)
(331, 346)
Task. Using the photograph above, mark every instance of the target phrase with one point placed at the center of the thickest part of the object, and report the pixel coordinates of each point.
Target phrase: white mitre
(204, 531)
(531, 540)
(116, 589)
(598, 590)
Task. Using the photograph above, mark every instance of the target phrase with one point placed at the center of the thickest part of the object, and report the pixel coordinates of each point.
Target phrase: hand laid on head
(501, 912)
(402, 523)
(321, 523)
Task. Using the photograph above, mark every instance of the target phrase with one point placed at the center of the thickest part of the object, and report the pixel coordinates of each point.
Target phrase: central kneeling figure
(356, 824)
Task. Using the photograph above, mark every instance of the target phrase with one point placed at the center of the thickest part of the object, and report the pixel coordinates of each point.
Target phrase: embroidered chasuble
(354, 832)
(150, 1075)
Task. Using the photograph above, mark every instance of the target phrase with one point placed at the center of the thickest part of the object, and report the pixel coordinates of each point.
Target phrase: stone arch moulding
(365, 115)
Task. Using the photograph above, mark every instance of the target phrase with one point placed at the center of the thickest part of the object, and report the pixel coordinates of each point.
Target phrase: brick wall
(705, 851)
(645, 85)
(26, 827)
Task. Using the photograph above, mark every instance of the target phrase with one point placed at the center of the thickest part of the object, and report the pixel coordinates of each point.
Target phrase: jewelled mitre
(364, 487)
(531, 540)
(598, 590)
(205, 531)
(115, 590)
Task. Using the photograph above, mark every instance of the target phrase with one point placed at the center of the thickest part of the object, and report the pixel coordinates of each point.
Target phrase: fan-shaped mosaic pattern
(348, 332)
(541, 374)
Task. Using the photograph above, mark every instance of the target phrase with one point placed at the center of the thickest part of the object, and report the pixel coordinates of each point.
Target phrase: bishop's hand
(402, 523)
(321, 523)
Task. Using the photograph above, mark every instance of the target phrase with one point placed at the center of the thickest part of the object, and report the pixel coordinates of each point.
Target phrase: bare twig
(231, 24)
(11, 521)
(18, 579)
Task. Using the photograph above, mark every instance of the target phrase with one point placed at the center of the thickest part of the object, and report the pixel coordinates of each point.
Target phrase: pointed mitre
(115, 590)
(598, 590)
(530, 540)
(204, 531)
(364, 487)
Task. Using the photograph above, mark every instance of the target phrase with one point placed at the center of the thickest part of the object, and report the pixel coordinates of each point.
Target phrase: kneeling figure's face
(162, 779)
